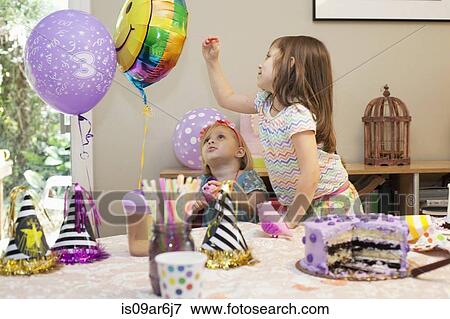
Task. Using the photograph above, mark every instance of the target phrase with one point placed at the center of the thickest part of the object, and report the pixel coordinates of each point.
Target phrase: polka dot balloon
(185, 140)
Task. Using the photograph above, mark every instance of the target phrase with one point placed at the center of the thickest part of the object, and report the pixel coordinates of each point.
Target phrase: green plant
(28, 128)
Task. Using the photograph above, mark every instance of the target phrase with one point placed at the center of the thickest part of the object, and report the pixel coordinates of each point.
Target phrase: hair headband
(225, 123)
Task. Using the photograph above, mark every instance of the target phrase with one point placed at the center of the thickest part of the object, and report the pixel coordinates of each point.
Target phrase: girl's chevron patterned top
(275, 133)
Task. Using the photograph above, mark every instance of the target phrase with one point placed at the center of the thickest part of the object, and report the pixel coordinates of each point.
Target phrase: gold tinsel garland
(27, 267)
(228, 259)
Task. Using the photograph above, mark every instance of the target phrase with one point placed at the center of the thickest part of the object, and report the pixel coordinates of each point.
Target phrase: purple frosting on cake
(317, 234)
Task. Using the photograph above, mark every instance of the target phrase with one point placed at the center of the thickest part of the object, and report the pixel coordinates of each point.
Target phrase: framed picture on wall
(393, 10)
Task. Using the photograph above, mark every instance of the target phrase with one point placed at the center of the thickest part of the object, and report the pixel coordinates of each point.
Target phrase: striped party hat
(76, 242)
(27, 252)
(224, 243)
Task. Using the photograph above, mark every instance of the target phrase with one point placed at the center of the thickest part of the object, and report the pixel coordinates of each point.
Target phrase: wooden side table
(5, 170)
(406, 177)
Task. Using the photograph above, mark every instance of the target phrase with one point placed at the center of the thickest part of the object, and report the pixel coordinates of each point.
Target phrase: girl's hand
(211, 49)
(199, 205)
(192, 211)
(210, 190)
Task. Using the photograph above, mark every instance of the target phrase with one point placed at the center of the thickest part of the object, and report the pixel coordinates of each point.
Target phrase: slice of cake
(380, 244)
(372, 244)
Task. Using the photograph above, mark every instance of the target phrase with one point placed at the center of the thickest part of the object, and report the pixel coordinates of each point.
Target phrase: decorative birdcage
(386, 131)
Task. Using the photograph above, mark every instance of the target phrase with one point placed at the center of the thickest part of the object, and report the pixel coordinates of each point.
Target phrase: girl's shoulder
(298, 118)
(250, 181)
(299, 109)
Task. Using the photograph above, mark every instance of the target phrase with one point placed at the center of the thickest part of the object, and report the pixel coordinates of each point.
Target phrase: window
(29, 129)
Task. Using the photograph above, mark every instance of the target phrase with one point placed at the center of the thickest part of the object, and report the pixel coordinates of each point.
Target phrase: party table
(274, 276)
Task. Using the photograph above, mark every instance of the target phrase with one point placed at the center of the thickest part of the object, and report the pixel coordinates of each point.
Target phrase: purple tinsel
(82, 255)
(81, 217)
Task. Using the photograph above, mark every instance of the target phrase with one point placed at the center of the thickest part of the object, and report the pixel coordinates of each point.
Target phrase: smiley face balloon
(149, 38)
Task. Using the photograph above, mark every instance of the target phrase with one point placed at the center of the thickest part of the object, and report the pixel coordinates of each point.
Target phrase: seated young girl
(225, 156)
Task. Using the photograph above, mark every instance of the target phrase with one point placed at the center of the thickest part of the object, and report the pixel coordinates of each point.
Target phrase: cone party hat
(224, 243)
(27, 252)
(76, 242)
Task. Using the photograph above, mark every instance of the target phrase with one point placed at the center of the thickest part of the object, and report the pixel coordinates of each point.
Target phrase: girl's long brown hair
(308, 81)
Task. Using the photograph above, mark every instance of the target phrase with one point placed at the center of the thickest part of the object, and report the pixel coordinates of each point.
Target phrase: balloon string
(97, 218)
(147, 112)
(86, 139)
(144, 96)
(84, 155)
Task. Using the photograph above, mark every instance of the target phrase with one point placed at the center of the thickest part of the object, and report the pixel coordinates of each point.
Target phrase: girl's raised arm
(223, 92)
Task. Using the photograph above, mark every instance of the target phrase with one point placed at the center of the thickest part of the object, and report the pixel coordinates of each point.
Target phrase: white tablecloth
(275, 276)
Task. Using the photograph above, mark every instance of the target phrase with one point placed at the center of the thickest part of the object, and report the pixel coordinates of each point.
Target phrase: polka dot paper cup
(180, 274)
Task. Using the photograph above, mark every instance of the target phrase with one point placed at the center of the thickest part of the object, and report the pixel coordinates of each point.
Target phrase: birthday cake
(340, 245)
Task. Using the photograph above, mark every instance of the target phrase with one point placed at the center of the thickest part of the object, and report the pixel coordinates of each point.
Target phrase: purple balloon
(70, 61)
(186, 140)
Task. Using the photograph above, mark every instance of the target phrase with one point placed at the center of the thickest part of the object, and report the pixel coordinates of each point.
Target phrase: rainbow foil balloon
(149, 38)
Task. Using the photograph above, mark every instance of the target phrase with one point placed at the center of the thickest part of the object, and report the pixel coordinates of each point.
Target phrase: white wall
(416, 69)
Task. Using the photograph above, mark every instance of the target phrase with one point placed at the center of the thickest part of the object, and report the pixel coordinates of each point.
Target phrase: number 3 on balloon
(85, 60)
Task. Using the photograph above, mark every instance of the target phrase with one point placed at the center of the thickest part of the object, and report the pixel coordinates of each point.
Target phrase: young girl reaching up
(225, 156)
(295, 108)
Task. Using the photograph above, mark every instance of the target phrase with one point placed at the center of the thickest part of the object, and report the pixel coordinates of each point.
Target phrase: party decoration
(431, 239)
(224, 243)
(177, 204)
(271, 221)
(418, 225)
(70, 61)
(76, 242)
(149, 38)
(185, 140)
(27, 252)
